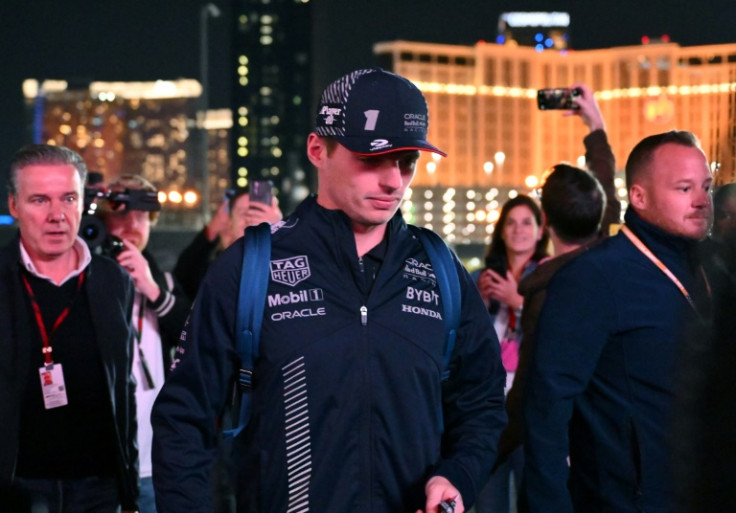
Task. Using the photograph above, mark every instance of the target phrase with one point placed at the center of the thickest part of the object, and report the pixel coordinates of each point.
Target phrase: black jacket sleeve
(473, 398)
(602, 164)
(184, 415)
(171, 307)
(193, 262)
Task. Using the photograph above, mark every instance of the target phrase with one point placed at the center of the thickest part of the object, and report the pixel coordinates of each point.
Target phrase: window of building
(490, 72)
(506, 68)
(597, 77)
(643, 71)
(578, 73)
(624, 74)
(562, 76)
(524, 74)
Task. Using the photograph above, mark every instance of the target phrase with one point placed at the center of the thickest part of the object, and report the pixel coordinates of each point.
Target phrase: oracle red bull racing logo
(290, 271)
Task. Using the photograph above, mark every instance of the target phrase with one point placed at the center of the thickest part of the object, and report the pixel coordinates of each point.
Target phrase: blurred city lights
(531, 181)
(190, 197)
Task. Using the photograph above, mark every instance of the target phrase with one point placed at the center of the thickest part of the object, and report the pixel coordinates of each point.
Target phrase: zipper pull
(363, 315)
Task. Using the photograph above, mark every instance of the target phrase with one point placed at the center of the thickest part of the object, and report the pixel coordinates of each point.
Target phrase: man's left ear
(316, 149)
(12, 207)
(638, 197)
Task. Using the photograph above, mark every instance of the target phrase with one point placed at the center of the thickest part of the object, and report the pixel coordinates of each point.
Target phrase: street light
(207, 11)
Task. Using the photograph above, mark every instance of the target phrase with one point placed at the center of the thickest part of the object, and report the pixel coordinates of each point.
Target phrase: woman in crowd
(519, 242)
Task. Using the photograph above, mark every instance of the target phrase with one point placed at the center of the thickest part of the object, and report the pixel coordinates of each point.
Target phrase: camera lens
(113, 246)
(90, 232)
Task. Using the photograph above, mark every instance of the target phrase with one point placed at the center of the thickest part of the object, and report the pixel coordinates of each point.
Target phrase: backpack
(252, 303)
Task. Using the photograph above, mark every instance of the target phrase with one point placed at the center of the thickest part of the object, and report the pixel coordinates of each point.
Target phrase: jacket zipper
(367, 434)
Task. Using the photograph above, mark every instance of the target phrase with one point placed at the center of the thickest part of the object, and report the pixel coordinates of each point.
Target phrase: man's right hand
(260, 212)
(219, 222)
(587, 108)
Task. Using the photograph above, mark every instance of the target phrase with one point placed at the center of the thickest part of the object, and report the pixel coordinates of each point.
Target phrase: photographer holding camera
(160, 306)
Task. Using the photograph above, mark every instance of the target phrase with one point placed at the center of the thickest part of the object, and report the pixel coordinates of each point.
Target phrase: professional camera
(92, 228)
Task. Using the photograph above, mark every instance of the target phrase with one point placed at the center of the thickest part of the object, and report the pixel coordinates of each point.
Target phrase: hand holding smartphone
(260, 191)
(558, 98)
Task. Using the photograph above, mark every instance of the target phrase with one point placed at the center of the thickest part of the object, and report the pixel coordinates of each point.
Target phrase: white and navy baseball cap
(372, 112)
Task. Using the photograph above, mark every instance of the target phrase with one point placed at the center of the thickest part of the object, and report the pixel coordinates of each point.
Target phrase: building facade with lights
(144, 128)
(483, 112)
(272, 95)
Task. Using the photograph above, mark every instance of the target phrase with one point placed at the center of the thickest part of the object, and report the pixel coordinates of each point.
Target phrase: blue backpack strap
(251, 304)
(444, 268)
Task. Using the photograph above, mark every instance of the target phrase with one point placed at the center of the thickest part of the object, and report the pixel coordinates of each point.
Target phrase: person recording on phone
(240, 209)
(579, 100)
(67, 395)
(159, 311)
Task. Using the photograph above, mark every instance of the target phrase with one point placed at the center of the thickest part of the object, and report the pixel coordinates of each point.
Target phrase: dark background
(152, 39)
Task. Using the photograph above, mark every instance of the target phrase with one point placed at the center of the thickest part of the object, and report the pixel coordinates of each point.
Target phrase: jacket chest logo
(290, 271)
(416, 270)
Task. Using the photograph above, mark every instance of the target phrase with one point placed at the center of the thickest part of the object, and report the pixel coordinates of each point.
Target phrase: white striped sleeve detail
(297, 436)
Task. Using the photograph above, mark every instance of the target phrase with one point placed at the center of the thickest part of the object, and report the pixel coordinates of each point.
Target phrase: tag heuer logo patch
(290, 271)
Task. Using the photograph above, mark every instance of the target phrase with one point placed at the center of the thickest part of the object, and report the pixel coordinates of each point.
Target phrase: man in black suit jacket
(67, 398)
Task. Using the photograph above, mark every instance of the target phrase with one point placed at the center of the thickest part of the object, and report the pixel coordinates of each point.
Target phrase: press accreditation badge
(52, 386)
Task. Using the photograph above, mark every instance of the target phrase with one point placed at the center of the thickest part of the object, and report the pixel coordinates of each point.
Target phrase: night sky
(152, 39)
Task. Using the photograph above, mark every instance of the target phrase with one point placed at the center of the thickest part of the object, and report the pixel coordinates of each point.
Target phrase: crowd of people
(582, 368)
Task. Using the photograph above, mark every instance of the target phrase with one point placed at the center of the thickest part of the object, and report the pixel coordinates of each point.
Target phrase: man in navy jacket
(350, 411)
(601, 383)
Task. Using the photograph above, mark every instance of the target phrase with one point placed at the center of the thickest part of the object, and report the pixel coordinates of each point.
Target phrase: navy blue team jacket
(349, 410)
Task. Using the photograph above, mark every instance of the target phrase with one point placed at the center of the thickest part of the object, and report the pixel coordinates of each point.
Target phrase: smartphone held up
(558, 98)
(260, 191)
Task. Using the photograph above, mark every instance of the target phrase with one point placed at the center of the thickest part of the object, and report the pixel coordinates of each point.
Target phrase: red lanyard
(651, 256)
(47, 349)
(512, 319)
(512, 313)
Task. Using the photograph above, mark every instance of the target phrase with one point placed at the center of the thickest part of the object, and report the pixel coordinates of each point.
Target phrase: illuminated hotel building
(483, 112)
(144, 128)
(271, 94)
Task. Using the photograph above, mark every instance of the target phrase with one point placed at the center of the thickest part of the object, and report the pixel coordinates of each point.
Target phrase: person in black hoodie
(601, 381)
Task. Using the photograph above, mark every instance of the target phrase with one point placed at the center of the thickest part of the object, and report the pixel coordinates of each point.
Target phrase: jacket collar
(83, 254)
(675, 251)
(340, 222)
